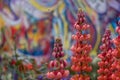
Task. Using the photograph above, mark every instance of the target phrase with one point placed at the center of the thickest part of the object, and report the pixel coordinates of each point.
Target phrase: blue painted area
(35, 52)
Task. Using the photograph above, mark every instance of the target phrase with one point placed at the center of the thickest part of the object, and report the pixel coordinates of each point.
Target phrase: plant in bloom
(116, 53)
(58, 65)
(106, 56)
(81, 49)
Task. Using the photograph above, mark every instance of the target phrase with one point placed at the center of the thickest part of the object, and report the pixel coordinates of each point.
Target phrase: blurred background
(32, 25)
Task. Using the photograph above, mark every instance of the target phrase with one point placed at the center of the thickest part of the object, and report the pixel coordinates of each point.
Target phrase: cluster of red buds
(106, 56)
(22, 67)
(80, 77)
(59, 64)
(116, 42)
(116, 53)
(81, 59)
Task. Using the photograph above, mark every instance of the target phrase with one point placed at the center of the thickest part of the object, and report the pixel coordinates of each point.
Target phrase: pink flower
(73, 67)
(118, 30)
(77, 27)
(66, 73)
(88, 36)
(78, 49)
(100, 71)
(62, 54)
(59, 75)
(61, 66)
(72, 79)
(76, 37)
(51, 63)
(53, 54)
(55, 63)
(85, 26)
(65, 63)
(52, 75)
(74, 59)
(73, 36)
(73, 48)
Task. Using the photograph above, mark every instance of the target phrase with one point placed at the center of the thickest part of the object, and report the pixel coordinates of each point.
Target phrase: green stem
(15, 51)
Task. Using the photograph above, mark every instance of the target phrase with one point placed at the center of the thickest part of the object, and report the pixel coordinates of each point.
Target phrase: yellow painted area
(92, 14)
(61, 7)
(30, 35)
(111, 28)
(56, 29)
(65, 24)
(65, 57)
(43, 8)
(94, 51)
(23, 43)
(34, 44)
(37, 37)
(80, 4)
(1, 22)
(17, 26)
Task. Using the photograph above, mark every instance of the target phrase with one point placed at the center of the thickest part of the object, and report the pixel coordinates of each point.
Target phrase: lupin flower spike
(81, 59)
(106, 56)
(58, 64)
(116, 64)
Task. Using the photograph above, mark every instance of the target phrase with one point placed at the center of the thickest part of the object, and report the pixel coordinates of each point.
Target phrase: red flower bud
(13, 62)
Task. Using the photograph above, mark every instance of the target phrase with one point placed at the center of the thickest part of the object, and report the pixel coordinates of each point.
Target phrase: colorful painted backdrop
(36, 23)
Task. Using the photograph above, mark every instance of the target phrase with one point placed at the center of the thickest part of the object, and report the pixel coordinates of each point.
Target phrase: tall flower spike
(107, 59)
(80, 58)
(116, 53)
(58, 64)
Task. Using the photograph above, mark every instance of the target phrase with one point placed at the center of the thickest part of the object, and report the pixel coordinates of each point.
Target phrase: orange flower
(29, 66)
